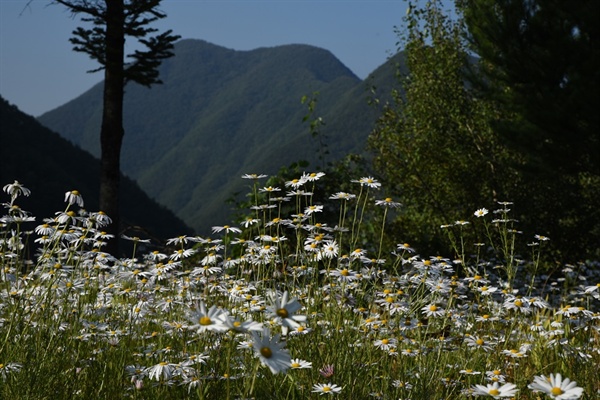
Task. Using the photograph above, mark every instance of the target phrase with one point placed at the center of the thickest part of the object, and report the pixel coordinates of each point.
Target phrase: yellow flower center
(433, 307)
(266, 352)
(556, 391)
(326, 389)
(384, 341)
(518, 303)
(295, 365)
(479, 342)
(494, 392)
(205, 321)
(344, 272)
(282, 312)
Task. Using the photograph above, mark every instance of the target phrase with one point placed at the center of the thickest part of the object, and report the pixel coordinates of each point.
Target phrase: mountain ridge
(221, 113)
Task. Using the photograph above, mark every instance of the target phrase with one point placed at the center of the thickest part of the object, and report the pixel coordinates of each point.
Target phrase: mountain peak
(321, 62)
(222, 113)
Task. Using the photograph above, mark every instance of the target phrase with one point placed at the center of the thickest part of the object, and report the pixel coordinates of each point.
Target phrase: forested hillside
(49, 166)
(222, 113)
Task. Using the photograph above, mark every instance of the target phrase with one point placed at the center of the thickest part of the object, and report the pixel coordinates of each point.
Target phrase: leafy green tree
(541, 61)
(433, 144)
(113, 21)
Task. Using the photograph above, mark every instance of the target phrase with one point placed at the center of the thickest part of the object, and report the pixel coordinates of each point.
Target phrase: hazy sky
(39, 71)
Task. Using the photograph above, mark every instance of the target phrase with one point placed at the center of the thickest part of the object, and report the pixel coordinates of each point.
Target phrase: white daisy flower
(495, 390)
(556, 387)
(270, 351)
(481, 212)
(74, 197)
(326, 388)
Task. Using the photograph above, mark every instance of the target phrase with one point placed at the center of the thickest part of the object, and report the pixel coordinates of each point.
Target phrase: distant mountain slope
(221, 113)
(49, 166)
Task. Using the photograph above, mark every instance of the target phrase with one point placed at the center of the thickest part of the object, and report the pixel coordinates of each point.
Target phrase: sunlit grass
(287, 307)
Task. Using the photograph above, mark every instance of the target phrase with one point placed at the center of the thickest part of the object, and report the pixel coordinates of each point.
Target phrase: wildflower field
(288, 307)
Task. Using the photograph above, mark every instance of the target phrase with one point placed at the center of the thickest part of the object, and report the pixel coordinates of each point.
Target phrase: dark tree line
(500, 103)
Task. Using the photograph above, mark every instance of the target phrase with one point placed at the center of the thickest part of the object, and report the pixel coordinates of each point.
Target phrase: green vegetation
(437, 144)
(438, 280)
(468, 132)
(296, 311)
(433, 145)
(540, 63)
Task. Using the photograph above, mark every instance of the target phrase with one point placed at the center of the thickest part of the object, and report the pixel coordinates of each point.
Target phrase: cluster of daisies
(203, 310)
(553, 386)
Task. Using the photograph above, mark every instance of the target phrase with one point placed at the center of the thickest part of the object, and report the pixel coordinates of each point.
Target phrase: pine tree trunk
(111, 133)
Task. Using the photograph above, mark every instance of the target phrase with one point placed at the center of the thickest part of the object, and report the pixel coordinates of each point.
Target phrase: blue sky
(39, 71)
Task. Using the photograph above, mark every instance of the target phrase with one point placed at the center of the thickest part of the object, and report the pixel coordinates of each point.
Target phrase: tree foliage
(142, 66)
(541, 61)
(515, 121)
(433, 144)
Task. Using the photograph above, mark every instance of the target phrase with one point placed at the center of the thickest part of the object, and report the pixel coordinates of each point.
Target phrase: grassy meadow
(284, 306)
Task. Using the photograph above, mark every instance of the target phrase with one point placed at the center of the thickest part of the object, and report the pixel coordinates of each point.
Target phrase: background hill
(222, 113)
(49, 166)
